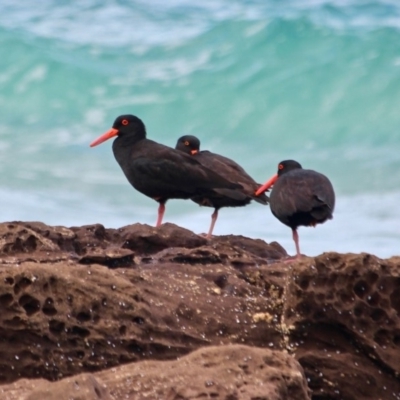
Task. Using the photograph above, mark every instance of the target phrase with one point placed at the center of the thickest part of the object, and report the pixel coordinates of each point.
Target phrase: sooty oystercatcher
(158, 171)
(227, 168)
(299, 197)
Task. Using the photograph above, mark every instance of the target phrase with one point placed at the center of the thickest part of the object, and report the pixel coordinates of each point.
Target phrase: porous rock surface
(93, 304)
(228, 372)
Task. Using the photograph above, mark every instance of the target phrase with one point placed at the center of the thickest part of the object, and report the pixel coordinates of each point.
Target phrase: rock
(226, 372)
(146, 239)
(17, 238)
(87, 299)
(344, 319)
(80, 387)
(232, 372)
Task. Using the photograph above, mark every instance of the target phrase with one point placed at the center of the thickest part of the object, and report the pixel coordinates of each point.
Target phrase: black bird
(158, 171)
(299, 197)
(227, 168)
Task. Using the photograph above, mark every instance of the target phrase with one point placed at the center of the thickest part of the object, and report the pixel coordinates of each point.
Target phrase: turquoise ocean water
(258, 81)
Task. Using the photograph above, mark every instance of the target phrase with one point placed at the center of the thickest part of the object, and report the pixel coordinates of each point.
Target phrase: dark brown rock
(146, 239)
(80, 387)
(344, 318)
(85, 299)
(230, 372)
(67, 318)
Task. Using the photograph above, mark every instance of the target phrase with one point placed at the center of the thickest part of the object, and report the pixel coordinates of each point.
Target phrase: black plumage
(158, 171)
(300, 197)
(228, 169)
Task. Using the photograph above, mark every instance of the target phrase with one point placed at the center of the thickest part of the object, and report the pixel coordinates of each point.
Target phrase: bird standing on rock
(158, 171)
(227, 168)
(299, 197)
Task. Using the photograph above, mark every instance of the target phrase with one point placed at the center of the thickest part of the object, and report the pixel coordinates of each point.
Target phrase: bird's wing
(177, 169)
(232, 171)
(300, 194)
(224, 162)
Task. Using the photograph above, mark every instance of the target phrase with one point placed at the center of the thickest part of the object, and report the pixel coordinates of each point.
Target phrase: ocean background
(258, 81)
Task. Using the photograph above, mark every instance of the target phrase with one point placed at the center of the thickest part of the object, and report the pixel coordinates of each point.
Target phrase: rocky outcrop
(224, 372)
(94, 300)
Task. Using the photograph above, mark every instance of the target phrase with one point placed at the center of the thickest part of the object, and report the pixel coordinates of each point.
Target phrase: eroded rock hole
(396, 339)
(304, 283)
(346, 297)
(138, 320)
(374, 299)
(29, 245)
(72, 342)
(304, 308)
(77, 330)
(29, 304)
(221, 281)
(378, 314)
(138, 298)
(21, 285)
(75, 354)
(83, 316)
(122, 330)
(134, 347)
(6, 299)
(48, 307)
(361, 289)
(56, 327)
(80, 354)
(9, 280)
(382, 337)
(360, 309)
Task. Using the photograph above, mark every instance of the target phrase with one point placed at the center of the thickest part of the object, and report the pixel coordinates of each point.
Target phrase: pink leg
(296, 241)
(161, 210)
(214, 217)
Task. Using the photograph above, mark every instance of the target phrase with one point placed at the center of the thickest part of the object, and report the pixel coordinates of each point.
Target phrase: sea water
(258, 81)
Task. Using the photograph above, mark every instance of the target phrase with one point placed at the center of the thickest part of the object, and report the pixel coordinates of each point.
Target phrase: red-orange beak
(193, 152)
(108, 135)
(267, 185)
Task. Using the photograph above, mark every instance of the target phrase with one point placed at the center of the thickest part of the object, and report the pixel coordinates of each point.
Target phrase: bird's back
(231, 170)
(302, 197)
(159, 171)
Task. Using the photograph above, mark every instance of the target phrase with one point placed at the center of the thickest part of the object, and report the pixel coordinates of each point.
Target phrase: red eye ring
(187, 143)
(280, 166)
(125, 122)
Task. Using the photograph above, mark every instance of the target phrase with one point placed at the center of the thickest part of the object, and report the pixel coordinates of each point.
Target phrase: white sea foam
(258, 81)
(143, 23)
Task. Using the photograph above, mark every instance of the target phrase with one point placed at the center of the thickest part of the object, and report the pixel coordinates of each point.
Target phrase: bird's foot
(290, 259)
(205, 235)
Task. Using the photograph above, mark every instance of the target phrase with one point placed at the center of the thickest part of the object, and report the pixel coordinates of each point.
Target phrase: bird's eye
(187, 143)
(280, 166)
(125, 122)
